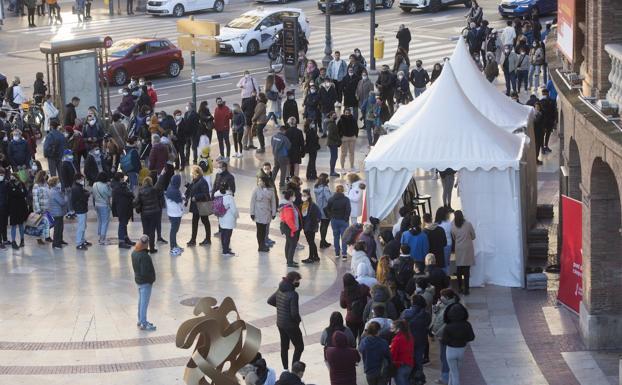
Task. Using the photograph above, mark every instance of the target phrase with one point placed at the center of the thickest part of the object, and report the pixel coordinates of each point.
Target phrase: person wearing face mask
(311, 216)
(402, 91)
(536, 59)
(18, 151)
(222, 124)
(509, 61)
(312, 108)
(328, 98)
(80, 203)
(522, 70)
(263, 210)
(4, 207)
(247, 85)
(248, 108)
(348, 132)
(143, 97)
(95, 164)
(349, 83)
(223, 176)
(310, 75)
(192, 124)
(363, 87)
(93, 132)
(259, 120)
(401, 61)
(355, 65)
(336, 71)
(333, 140)
(386, 87)
(280, 151)
(127, 103)
(288, 319)
(50, 112)
(57, 208)
(418, 320)
(67, 174)
(53, 147)
(18, 209)
(297, 146)
(419, 78)
(448, 297)
(491, 71)
(291, 225)
(290, 107)
(238, 122)
(40, 199)
(311, 147)
(359, 57)
(180, 139)
(153, 95)
(228, 221)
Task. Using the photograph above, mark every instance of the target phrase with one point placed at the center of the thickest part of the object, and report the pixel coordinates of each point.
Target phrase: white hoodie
(360, 257)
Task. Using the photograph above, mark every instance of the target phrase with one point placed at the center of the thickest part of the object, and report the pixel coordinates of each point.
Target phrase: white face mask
(177, 118)
(34, 167)
(350, 73)
(400, 77)
(187, 108)
(218, 170)
(91, 122)
(313, 91)
(66, 135)
(16, 137)
(125, 93)
(304, 199)
(364, 77)
(96, 152)
(142, 83)
(247, 76)
(81, 182)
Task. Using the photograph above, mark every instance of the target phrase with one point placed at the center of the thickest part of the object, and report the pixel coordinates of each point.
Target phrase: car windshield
(244, 22)
(121, 48)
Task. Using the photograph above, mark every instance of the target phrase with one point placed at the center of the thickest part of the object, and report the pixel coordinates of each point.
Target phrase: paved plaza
(68, 317)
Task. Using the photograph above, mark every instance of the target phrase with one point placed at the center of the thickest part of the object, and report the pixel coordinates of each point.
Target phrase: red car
(141, 58)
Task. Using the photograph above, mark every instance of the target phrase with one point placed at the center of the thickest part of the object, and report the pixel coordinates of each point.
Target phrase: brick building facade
(591, 152)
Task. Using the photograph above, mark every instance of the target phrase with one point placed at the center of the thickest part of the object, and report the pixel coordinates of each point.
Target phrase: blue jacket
(135, 159)
(57, 204)
(19, 154)
(322, 195)
(374, 350)
(341, 72)
(418, 321)
(419, 244)
(56, 138)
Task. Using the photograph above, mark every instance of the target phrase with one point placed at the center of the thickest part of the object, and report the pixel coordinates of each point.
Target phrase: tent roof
(449, 132)
(504, 112)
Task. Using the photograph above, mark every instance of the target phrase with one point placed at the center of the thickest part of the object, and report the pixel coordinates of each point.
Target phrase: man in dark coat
(192, 131)
(122, 208)
(549, 117)
(297, 148)
(348, 84)
(403, 37)
(386, 86)
(53, 148)
(80, 203)
(18, 151)
(285, 299)
(223, 177)
(290, 107)
(294, 377)
(70, 112)
(144, 276)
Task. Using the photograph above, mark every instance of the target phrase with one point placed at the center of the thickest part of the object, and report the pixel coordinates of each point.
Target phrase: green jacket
(333, 138)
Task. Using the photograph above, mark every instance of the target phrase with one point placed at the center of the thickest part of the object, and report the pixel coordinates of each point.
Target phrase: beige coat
(463, 238)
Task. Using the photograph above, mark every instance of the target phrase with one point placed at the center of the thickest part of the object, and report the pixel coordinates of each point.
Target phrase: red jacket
(222, 118)
(153, 95)
(288, 216)
(402, 350)
(158, 157)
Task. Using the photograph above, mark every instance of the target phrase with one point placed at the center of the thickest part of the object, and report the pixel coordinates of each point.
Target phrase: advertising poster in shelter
(566, 27)
(570, 275)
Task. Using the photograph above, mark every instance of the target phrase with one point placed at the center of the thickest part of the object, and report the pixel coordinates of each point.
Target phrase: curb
(214, 76)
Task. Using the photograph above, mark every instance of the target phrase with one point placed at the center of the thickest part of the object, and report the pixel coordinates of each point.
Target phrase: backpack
(218, 207)
(371, 314)
(272, 95)
(358, 306)
(352, 233)
(50, 150)
(404, 271)
(126, 162)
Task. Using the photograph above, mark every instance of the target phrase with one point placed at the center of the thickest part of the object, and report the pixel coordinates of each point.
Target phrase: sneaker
(228, 254)
(82, 247)
(264, 249)
(300, 246)
(260, 151)
(205, 242)
(334, 174)
(175, 252)
(123, 245)
(64, 243)
(148, 327)
(344, 257)
(308, 260)
(162, 240)
(293, 264)
(220, 158)
(87, 243)
(325, 245)
(48, 239)
(14, 245)
(153, 251)
(57, 247)
(252, 147)
(129, 242)
(191, 244)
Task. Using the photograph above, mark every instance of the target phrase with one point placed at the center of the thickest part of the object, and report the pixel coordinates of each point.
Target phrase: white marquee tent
(489, 162)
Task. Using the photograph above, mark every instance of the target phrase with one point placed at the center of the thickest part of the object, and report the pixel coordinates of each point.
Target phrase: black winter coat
(297, 149)
(347, 126)
(386, 84)
(338, 207)
(403, 38)
(199, 190)
(285, 299)
(122, 199)
(457, 331)
(348, 85)
(312, 142)
(4, 195)
(437, 240)
(143, 267)
(310, 222)
(312, 106)
(149, 200)
(224, 177)
(67, 173)
(70, 115)
(328, 98)
(290, 109)
(90, 168)
(79, 199)
(18, 209)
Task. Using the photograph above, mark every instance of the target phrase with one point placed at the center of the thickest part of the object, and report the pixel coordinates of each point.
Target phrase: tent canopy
(449, 132)
(504, 112)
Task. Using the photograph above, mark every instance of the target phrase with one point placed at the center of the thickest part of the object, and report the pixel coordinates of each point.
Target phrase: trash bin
(378, 48)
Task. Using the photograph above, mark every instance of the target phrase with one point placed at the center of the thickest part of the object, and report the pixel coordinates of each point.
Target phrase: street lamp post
(372, 33)
(328, 44)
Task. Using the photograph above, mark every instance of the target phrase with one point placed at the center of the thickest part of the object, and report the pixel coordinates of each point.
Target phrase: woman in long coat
(262, 210)
(18, 209)
(463, 235)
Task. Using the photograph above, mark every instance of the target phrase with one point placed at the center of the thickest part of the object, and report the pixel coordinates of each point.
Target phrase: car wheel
(120, 77)
(178, 10)
(406, 10)
(435, 6)
(219, 6)
(350, 8)
(252, 48)
(386, 4)
(468, 4)
(174, 69)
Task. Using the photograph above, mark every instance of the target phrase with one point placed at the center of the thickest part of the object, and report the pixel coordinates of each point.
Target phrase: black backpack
(358, 306)
(405, 271)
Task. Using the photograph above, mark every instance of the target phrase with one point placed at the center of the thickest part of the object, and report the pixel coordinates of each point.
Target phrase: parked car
(351, 6)
(522, 8)
(430, 5)
(253, 31)
(178, 8)
(142, 57)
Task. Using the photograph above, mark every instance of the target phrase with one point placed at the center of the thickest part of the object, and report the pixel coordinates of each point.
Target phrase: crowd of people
(52, 8)
(145, 163)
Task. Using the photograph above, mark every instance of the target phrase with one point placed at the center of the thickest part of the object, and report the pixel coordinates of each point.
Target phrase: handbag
(34, 219)
(205, 208)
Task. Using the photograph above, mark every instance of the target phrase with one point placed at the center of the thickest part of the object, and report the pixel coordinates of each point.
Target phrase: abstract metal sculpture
(219, 342)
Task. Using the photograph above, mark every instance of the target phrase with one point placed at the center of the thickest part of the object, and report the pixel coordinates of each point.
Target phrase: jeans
(375, 379)
(54, 165)
(347, 149)
(522, 76)
(455, 356)
(419, 354)
(225, 239)
(223, 140)
(58, 231)
(67, 193)
(444, 364)
(448, 186)
(31, 16)
(149, 222)
(324, 123)
(333, 157)
(144, 294)
(339, 227)
(369, 128)
(195, 227)
(419, 91)
(310, 236)
(281, 164)
(175, 222)
(80, 229)
(447, 252)
(290, 247)
(133, 177)
(510, 80)
(103, 219)
(237, 141)
(14, 231)
(402, 375)
(295, 336)
(534, 75)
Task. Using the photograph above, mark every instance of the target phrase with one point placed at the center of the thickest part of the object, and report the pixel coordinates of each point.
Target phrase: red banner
(566, 10)
(570, 275)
